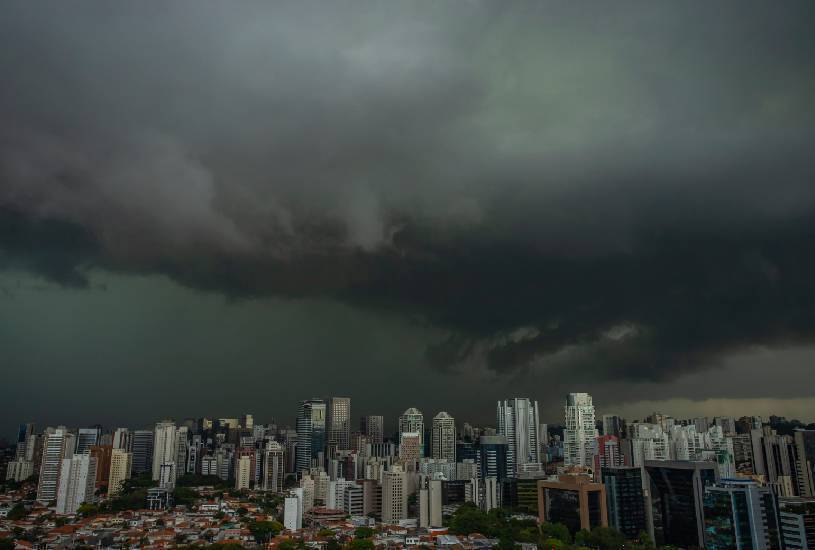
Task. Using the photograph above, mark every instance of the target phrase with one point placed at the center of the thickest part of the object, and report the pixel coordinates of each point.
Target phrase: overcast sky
(210, 208)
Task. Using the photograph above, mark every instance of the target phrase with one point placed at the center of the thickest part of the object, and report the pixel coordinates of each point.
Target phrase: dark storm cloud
(627, 188)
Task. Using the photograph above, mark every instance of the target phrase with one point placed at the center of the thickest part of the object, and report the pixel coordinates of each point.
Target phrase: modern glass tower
(310, 432)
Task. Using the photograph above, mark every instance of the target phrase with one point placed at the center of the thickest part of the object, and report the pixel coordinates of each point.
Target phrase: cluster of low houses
(204, 525)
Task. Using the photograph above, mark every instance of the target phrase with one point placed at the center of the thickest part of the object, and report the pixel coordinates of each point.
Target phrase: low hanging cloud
(627, 188)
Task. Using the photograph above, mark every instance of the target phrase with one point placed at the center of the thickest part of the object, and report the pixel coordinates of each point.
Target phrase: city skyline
(268, 202)
(391, 423)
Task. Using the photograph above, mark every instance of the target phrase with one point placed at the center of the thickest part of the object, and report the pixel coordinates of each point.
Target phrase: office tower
(58, 444)
(430, 503)
(19, 469)
(573, 500)
(677, 493)
(443, 442)
(142, 447)
(372, 427)
(122, 439)
(247, 422)
(102, 454)
(492, 453)
(338, 423)
(293, 510)
(518, 422)
(410, 449)
(797, 520)
(77, 481)
(243, 472)
(805, 464)
(613, 425)
(121, 464)
(86, 438)
(165, 454)
(625, 500)
(310, 433)
(740, 515)
(394, 495)
(273, 473)
(412, 421)
(580, 432)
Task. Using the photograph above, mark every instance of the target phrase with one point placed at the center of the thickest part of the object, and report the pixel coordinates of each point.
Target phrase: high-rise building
(726, 423)
(102, 454)
(87, 438)
(121, 464)
(443, 442)
(19, 469)
(410, 449)
(573, 500)
(412, 421)
(430, 503)
(372, 427)
(122, 439)
(293, 510)
(338, 423)
(165, 454)
(608, 454)
(394, 495)
(677, 493)
(625, 500)
(492, 457)
(580, 432)
(519, 422)
(243, 472)
(58, 445)
(741, 515)
(805, 465)
(797, 519)
(273, 472)
(24, 434)
(613, 425)
(142, 448)
(77, 481)
(310, 433)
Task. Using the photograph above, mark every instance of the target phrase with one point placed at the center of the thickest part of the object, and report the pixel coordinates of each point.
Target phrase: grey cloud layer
(626, 187)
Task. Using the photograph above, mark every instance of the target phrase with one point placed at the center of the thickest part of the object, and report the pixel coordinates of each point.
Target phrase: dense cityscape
(329, 481)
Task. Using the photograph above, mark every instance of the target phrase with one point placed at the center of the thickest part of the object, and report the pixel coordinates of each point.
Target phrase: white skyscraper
(580, 433)
(518, 422)
(412, 421)
(58, 445)
(76, 483)
(165, 454)
(443, 437)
